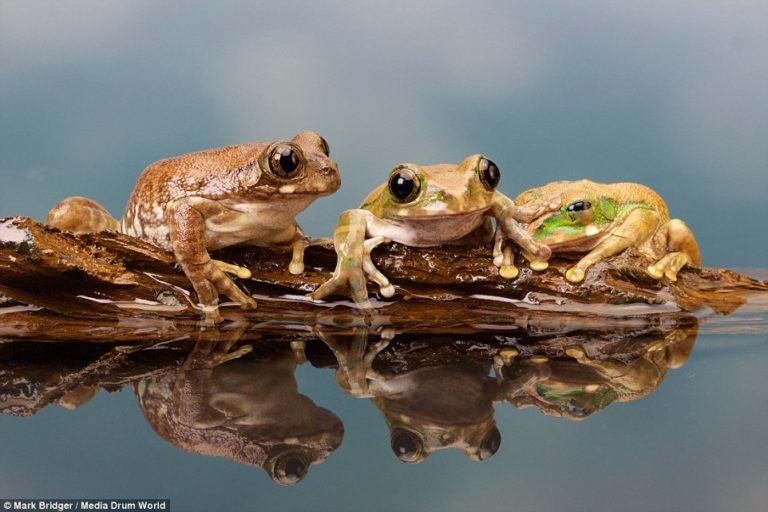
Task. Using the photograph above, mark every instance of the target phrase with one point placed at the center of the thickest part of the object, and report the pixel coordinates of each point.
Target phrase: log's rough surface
(52, 281)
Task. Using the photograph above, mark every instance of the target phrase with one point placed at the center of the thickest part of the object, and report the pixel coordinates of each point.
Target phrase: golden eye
(489, 173)
(404, 185)
(285, 160)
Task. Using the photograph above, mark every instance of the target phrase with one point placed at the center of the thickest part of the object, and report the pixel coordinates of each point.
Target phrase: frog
(224, 400)
(247, 194)
(427, 206)
(422, 407)
(605, 219)
(576, 385)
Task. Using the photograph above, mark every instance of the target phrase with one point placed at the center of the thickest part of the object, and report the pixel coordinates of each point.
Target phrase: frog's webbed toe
(209, 281)
(298, 247)
(504, 256)
(236, 270)
(348, 280)
(352, 277)
(575, 274)
(669, 265)
(684, 250)
(385, 286)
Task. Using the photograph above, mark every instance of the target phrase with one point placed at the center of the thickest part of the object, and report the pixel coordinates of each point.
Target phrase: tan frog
(430, 408)
(426, 206)
(603, 220)
(190, 204)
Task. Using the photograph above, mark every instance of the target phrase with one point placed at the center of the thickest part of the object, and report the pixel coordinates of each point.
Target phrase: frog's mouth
(426, 215)
(567, 237)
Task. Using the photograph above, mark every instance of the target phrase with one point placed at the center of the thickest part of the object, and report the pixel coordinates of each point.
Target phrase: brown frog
(191, 204)
(223, 401)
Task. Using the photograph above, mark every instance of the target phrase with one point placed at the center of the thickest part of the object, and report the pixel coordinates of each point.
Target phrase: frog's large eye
(289, 469)
(404, 185)
(489, 173)
(285, 160)
(406, 445)
(580, 211)
(491, 444)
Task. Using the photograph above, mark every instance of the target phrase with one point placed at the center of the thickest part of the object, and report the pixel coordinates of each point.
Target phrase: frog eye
(579, 210)
(285, 161)
(404, 185)
(489, 173)
(406, 445)
(324, 147)
(491, 444)
(289, 469)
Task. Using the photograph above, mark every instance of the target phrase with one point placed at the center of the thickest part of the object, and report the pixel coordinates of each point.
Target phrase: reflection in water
(224, 401)
(427, 408)
(580, 384)
(233, 393)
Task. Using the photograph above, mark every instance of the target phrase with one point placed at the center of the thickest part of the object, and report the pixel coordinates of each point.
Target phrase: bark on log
(52, 283)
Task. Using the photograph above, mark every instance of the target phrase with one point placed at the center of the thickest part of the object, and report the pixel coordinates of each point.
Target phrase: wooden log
(53, 282)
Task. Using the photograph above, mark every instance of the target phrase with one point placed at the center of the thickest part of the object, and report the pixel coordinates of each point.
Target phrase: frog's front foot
(503, 255)
(298, 247)
(351, 275)
(575, 274)
(236, 270)
(348, 279)
(210, 281)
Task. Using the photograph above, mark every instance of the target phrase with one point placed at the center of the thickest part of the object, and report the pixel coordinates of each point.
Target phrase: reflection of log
(107, 277)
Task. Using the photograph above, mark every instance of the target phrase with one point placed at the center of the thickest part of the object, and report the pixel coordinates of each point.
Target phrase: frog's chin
(426, 215)
(576, 244)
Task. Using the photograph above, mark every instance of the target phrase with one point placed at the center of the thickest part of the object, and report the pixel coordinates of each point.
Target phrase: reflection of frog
(578, 386)
(424, 206)
(226, 404)
(190, 204)
(603, 220)
(426, 409)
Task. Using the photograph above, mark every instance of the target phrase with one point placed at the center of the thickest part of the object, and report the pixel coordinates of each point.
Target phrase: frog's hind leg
(621, 238)
(685, 251)
(81, 215)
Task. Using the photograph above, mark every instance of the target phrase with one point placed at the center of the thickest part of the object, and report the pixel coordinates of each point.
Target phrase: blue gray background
(670, 94)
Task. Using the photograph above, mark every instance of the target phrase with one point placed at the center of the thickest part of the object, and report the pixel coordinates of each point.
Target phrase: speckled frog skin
(602, 220)
(424, 206)
(190, 204)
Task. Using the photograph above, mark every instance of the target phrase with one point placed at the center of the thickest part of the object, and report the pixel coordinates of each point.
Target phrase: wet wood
(52, 282)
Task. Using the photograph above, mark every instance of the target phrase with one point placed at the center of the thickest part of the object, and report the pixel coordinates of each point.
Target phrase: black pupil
(405, 445)
(491, 173)
(402, 185)
(288, 160)
(293, 468)
(579, 206)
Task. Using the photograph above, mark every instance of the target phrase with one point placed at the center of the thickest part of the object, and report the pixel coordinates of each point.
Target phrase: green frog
(191, 204)
(603, 220)
(425, 206)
